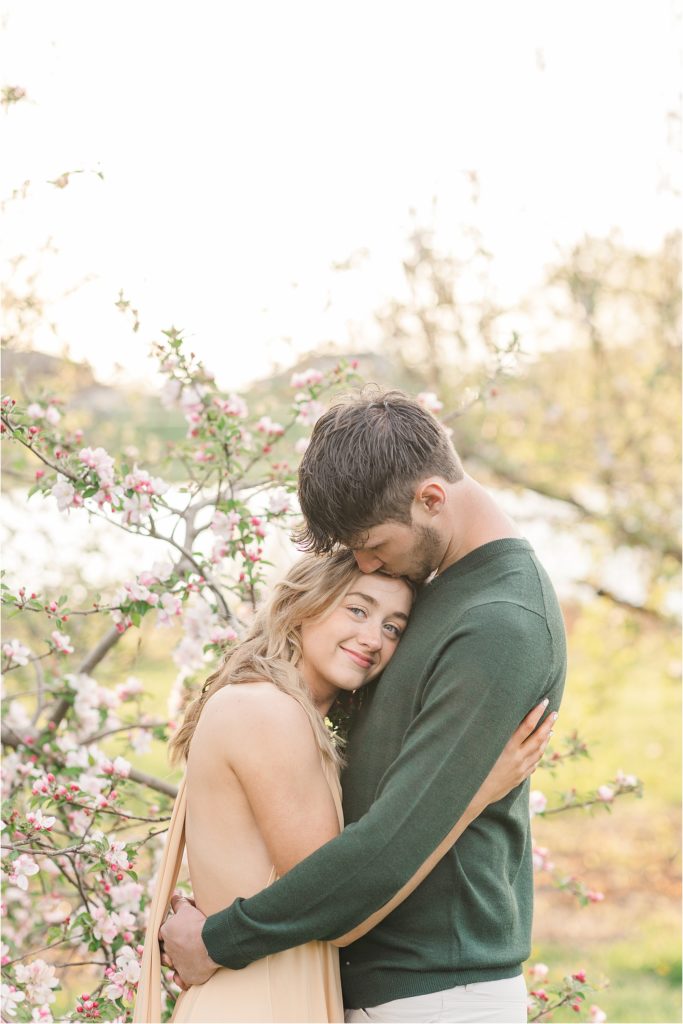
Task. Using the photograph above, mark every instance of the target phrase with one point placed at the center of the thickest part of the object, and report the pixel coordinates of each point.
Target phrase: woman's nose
(370, 635)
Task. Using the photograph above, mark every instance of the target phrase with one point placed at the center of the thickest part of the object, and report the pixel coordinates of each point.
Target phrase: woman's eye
(355, 610)
(394, 630)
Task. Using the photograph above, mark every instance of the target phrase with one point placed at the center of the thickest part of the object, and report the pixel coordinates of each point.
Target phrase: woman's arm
(519, 759)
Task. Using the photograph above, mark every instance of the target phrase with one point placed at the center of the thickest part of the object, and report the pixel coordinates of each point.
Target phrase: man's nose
(367, 562)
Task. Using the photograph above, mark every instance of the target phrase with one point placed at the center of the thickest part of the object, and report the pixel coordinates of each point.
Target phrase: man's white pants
(485, 1002)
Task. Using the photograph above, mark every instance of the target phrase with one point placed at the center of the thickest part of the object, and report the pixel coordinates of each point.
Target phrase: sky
(246, 148)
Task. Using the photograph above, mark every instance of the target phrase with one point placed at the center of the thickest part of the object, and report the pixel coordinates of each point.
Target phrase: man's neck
(476, 519)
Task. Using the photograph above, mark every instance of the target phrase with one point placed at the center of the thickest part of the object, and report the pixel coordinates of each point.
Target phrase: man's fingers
(177, 899)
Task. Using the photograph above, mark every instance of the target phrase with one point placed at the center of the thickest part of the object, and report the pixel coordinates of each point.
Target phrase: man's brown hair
(366, 456)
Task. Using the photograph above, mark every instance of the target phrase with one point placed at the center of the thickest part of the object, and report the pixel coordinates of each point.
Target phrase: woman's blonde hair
(271, 650)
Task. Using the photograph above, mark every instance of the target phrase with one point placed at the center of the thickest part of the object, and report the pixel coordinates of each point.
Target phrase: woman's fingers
(531, 721)
(538, 740)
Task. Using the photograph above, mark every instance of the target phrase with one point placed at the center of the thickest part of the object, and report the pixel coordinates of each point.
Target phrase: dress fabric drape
(297, 985)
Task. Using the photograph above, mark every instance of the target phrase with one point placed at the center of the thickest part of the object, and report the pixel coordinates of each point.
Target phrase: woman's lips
(360, 659)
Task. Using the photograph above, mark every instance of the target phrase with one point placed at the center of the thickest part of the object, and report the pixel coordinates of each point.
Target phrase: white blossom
(39, 979)
(11, 997)
(65, 494)
(22, 869)
(17, 652)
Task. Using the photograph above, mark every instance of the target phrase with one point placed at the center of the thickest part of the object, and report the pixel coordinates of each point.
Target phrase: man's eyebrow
(371, 600)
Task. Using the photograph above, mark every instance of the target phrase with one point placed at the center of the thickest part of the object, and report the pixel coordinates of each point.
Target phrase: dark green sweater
(484, 644)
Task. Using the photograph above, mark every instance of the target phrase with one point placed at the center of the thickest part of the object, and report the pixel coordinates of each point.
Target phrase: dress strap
(148, 1000)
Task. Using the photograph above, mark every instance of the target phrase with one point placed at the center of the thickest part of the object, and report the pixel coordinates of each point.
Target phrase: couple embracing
(415, 900)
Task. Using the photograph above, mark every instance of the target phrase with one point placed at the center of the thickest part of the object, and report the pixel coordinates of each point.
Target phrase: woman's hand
(520, 756)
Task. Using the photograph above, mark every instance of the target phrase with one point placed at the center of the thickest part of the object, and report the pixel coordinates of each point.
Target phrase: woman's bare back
(257, 795)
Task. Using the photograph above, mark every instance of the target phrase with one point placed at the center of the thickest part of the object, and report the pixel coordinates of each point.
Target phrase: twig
(41, 949)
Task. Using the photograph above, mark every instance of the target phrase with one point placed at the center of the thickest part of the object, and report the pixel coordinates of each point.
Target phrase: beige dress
(298, 985)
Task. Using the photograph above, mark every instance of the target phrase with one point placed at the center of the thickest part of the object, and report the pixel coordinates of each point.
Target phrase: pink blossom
(136, 591)
(66, 495)
(39, 979)
(594, 896)
(101, 462)
(142, 483)
(224, 525)
(54, 909)
(170, 607)
(42, 1015)
(579, 976)
(306, 378)
(131, 688)
(16, 652)
(233, 406)
(119, 766)
(429, 401)
(301, 445)
(222, 635)
(170, 393)
(596, 1015)
(35, 411)
(266, 426)
(116, 856)
(135, 509)
(105, 925)
(140, 740)
(11, 997)
(605, 794)
(630, 781)
(541, 858)
(126, 895)
(62, 642)
(39, 821)
(22, 869)
(537, 802)
(52, 415)
(310, 412)
(279, 501)
(539, 972)
(124, 975)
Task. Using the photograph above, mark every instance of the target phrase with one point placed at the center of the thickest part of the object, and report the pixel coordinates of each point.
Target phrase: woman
(261, 791)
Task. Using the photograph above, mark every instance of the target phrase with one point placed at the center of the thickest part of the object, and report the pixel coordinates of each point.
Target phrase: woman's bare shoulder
(260, 705)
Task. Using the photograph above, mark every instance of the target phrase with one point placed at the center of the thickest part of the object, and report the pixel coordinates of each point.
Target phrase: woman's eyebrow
(371, 600)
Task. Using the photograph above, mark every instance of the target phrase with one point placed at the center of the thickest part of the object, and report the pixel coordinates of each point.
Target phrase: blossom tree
(83, 829)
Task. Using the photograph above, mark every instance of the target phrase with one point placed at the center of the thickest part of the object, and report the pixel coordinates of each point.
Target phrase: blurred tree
(593, 420)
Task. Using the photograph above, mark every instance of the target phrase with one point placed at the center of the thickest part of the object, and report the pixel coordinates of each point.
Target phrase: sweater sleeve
(473, 700)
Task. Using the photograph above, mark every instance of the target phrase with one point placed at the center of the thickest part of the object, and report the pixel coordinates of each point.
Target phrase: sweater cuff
(220, 941)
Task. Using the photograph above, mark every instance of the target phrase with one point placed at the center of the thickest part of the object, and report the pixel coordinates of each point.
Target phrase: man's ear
(430, 497)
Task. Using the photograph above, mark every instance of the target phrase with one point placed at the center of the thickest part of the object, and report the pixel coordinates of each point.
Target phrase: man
(484, 644)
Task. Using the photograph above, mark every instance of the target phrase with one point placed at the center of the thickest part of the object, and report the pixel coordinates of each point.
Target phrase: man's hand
(182, 947)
